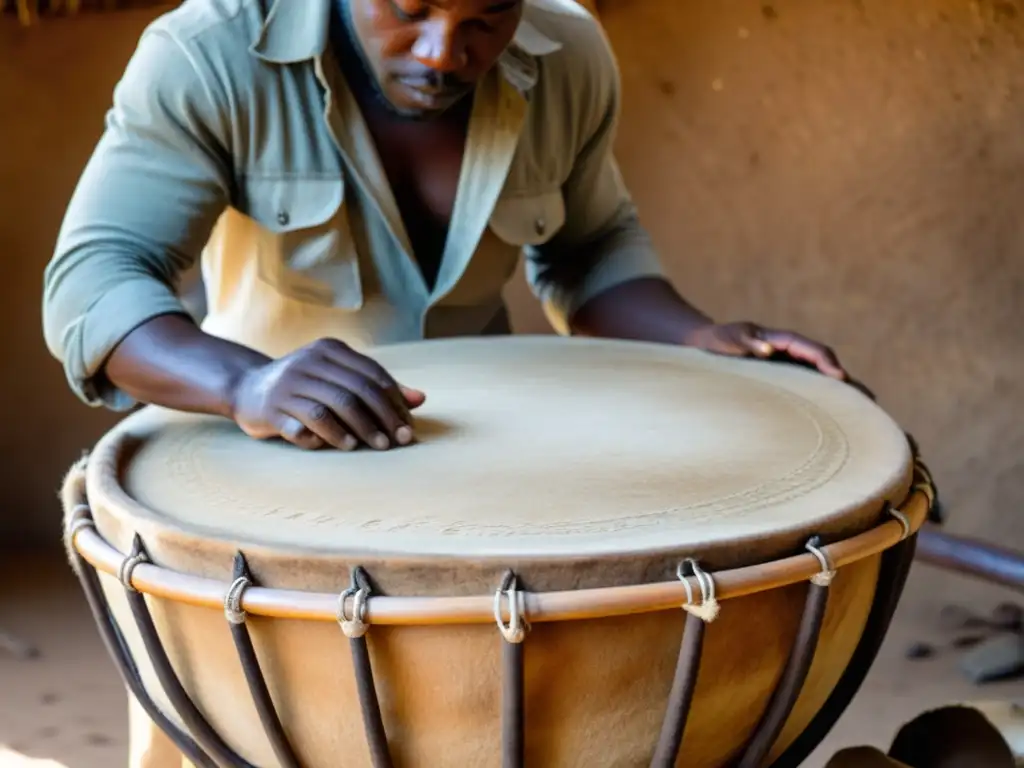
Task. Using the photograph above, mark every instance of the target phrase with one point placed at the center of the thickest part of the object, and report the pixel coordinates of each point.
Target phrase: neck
(352, 60)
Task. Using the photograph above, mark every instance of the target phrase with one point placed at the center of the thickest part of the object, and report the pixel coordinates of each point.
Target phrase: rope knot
(902, 518)
(356, 626)
(80, 517)
(926, 484)
(134, 559)
(233, 600)
(708, 608)
(517, 627)
(828, 572)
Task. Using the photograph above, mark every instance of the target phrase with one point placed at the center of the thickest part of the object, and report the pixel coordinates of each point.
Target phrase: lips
(427, 94)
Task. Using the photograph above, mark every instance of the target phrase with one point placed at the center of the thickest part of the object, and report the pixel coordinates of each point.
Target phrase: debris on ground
(998, 658)
(16, 647)
(992, 646)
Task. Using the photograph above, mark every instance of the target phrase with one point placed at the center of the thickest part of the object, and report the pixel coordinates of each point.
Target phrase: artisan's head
(425, 55)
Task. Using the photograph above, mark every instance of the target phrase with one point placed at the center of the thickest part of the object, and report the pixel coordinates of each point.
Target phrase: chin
(416, 105)
(413, 111)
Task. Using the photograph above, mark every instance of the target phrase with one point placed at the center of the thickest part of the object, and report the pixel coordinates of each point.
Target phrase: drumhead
(531, 450)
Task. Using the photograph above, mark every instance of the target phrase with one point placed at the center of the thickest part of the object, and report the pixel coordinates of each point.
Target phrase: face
(427, 54)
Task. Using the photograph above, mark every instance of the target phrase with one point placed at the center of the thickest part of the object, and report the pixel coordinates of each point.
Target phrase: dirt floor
(68, 707)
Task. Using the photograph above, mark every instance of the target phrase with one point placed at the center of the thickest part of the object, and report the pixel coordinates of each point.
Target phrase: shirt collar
(298, 31)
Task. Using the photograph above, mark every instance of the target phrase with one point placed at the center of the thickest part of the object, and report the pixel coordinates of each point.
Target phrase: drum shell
(595, 690)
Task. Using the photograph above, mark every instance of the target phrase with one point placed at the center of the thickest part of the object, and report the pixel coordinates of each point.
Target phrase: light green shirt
(233, 137)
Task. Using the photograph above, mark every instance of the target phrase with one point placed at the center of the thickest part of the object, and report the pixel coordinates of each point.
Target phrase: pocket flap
(528, 219)
(284, 205)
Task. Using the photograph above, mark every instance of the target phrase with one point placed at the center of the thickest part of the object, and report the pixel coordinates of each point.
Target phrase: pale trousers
(148, 746)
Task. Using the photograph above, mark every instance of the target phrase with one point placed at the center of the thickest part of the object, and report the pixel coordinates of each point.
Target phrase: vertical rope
(684, 682)
(77, 518)
(355, 629)
(194, 720)
(892, 576)
(795, 673)
(512, 709)
(258, 689)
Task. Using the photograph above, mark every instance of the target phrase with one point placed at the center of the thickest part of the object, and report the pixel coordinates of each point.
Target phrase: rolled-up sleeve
(140, 215)
(602, 243)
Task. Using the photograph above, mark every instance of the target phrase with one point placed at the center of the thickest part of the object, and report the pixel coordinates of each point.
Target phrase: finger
(348, 358)
(753, 341)
(818, 355)
(293, 430)
(414, 398)
(801, 348)
(317, 419)
(719, 339)
(353, 402)
(396, 423)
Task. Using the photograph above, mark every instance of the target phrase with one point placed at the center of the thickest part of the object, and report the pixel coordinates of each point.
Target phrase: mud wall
(849, 168)
(56, 80)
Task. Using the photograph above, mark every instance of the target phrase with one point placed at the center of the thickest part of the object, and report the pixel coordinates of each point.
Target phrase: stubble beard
(370, 80)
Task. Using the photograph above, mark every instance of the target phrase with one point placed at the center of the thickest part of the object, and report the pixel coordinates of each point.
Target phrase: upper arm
(595, 195)
(597, 204)
(601, 244)
(145, 205)
(156, 183)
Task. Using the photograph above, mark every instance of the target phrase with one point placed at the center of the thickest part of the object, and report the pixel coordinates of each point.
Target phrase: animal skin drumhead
(541, 447)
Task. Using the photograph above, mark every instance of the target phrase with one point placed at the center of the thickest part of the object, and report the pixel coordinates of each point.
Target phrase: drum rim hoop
(566, 605)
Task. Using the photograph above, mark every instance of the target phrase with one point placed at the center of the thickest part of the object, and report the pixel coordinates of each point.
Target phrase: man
(353, 172)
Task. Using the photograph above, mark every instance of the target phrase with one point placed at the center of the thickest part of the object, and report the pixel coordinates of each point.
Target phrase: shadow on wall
(850, 168)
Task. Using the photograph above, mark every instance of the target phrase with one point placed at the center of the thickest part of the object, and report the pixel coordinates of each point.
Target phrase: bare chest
(423, 162)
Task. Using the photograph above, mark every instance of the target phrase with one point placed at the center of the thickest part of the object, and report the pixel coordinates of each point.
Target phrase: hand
(750, 339)
(325, 394)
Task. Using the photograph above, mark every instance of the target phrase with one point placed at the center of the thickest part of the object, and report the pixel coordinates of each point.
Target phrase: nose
(439, 46)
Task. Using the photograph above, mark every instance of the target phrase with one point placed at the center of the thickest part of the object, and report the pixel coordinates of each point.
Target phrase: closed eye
(501, 7)
(495, 9)
(406, 15)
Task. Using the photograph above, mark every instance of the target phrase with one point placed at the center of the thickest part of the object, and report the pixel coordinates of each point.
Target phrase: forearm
(169, 361)
(644, 309)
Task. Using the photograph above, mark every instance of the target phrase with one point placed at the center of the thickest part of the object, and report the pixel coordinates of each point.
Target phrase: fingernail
(403, 435)
(349, 443)
(380, 441)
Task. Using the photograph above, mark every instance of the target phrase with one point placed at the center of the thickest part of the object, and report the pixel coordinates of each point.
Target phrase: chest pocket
(528, 219)
(305, 248)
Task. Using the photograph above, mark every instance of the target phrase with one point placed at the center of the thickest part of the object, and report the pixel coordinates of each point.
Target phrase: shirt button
(283, 218)
(539, 225)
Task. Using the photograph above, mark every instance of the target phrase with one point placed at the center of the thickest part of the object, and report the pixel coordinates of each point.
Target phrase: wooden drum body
(588, 489)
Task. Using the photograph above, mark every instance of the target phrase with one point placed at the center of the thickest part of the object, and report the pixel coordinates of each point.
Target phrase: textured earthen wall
(55, 86)
(851, 168)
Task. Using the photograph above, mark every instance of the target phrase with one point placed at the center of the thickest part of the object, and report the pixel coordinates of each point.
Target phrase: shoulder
(196, 59)
(211, 38)
(583, 61)
(197, 23)
(574, 103)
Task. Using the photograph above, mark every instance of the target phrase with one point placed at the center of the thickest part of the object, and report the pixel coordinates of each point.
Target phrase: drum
(598, 553)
